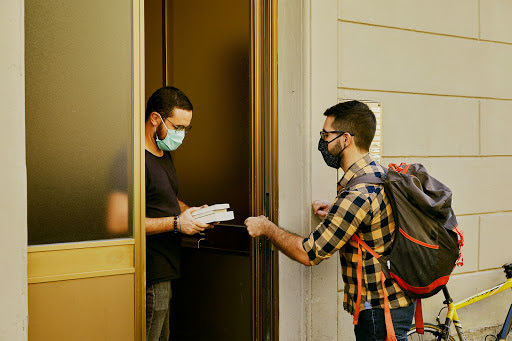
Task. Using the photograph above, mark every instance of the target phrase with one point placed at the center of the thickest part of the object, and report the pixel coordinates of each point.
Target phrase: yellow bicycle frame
(452, 308)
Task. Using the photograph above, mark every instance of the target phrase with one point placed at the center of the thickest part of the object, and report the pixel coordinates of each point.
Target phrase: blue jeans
(158, 297)
(372, 326)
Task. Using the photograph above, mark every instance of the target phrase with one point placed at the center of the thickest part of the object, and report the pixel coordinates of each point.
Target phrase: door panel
(70, 261)
(88, 309)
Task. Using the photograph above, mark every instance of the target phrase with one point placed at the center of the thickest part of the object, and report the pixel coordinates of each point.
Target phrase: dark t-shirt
(163, 250)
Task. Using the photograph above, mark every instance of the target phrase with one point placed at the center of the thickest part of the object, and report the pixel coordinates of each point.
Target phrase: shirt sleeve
(350, 210)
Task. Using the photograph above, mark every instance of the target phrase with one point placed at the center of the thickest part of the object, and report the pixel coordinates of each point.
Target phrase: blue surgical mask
(172, 140)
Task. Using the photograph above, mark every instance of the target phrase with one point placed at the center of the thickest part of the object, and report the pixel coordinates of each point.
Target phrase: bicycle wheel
(432, 333)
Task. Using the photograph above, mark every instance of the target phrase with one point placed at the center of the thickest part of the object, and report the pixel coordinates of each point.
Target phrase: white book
(210, 209)
(208, 213)
(217, 217)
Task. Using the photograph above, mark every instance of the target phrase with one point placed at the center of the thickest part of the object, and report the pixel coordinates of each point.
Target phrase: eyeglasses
(180, 127)
(324, 134)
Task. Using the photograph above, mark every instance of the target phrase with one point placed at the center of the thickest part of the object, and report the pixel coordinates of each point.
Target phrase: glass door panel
(78, 61)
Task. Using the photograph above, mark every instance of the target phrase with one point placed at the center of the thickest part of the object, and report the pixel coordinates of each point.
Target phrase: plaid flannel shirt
(363, 209)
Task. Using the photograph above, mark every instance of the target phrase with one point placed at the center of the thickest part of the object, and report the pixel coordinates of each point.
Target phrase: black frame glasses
(325, 133)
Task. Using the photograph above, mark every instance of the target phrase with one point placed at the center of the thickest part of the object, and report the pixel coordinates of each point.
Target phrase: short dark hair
(356, 118)
(165, 100)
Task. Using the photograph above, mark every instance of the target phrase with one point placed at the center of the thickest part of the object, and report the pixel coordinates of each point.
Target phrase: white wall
(307, 47)
(13, 225)
(323, 181)
(294, 165)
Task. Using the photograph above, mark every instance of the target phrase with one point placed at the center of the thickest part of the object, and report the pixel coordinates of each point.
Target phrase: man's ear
(349, 139)
(155, 118)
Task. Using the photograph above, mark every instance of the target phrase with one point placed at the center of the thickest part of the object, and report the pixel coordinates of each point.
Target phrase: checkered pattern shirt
(363, 209)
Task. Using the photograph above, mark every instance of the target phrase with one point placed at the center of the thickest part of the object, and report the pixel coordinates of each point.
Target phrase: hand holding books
(187, 224)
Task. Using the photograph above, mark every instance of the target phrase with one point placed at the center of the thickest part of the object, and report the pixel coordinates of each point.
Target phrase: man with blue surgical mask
(168, 118)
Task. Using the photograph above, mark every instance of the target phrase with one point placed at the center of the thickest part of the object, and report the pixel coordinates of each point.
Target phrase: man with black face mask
(360, 210)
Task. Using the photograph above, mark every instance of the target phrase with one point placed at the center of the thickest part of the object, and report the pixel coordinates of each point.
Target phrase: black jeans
(372, 326)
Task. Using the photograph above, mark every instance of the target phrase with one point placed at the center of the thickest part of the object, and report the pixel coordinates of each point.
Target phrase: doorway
(220, 54)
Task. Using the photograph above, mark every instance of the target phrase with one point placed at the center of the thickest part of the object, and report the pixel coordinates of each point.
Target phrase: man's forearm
(159, 225)
(288, 243)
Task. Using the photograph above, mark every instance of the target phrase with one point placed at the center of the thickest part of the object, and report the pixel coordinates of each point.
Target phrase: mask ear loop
(342, 148)
(341, 152)
(165, 125)
(161, 119)
(156, 135)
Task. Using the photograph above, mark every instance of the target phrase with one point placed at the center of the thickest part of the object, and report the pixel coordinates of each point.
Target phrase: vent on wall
(376, 146)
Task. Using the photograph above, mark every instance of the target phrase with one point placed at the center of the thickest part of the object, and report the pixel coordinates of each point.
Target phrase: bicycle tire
(432, 332)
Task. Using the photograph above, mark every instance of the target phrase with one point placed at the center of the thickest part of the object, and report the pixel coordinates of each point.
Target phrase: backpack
(427, 240)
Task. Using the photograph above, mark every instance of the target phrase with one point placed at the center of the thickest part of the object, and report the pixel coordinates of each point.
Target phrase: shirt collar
(365, 165)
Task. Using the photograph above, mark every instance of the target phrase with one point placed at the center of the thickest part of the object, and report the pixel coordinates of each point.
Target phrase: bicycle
(441, 331)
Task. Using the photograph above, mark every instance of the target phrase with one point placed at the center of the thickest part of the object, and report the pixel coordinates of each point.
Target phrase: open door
(84, 100)
(221, 54)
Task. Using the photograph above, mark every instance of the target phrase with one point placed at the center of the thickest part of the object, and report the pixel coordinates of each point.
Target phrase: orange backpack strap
(460, 234)
(418, 318)
(360, 243)
(401, 168)
(406, 169)
(359, 282)
(390, 330)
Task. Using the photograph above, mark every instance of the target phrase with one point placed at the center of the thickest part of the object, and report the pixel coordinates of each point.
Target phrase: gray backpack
(427, 240)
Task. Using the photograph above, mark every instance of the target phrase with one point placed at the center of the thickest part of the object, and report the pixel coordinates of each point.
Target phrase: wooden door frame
(264, 173)
(139, 217)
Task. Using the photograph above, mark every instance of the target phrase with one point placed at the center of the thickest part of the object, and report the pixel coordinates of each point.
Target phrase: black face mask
(333, 161)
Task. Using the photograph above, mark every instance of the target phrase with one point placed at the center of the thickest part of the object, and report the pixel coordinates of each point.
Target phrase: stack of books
(213, 214)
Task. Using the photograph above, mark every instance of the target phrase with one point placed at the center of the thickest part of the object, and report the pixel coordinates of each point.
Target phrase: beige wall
(307, 310)
(442, 72)
(294, 158)
(13, 201)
